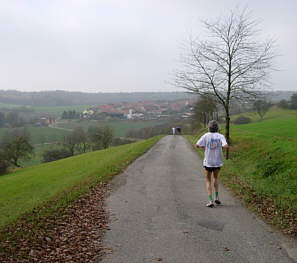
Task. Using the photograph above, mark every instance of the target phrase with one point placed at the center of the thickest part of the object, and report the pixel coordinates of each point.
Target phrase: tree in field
(12, 118)
(80, 138)
(16, 146)
(107, 136)
(205, 110)
(71, 114)
(100, 137)
(2, 119)
(69, 143)
(76, 140)
(4, 163)
(294, 101)
(95, 137)
(64, 115)
(230, 65)
(51, 155)
(283, 104)
(261, 107)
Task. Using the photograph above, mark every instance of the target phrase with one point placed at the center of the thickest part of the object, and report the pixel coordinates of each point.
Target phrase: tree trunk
(227, 126)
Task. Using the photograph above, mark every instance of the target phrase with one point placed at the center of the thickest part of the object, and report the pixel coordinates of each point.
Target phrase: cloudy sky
(116, 45)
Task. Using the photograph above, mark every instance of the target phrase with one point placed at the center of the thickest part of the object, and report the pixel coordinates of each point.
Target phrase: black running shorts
(211, 169)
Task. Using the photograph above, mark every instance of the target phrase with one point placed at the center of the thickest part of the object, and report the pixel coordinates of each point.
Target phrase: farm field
(120, 127)
(262, 169)
(9, 106)
(40, 134)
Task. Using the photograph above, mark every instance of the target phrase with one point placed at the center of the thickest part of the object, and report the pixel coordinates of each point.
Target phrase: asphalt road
(158, 214)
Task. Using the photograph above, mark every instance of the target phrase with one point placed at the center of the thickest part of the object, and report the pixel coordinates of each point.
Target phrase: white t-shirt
(213, 143)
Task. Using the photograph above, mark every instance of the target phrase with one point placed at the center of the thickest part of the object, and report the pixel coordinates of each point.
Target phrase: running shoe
(210, 204)
(218, 202)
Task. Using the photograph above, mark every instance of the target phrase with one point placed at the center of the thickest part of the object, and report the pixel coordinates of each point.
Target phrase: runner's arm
(200, 143)
(227, 151)
(197, 146)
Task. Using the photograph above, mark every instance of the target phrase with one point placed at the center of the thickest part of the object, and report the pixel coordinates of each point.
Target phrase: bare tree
(261, 107)
(231, 64)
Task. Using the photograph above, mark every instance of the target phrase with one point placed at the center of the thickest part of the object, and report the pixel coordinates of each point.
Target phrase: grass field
(120, 127)
(28, 188)
(9, 106)
(262, 169)
(41, 134)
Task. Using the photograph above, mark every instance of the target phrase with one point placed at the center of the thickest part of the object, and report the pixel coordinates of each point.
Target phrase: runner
(173, 131)
(213, 142)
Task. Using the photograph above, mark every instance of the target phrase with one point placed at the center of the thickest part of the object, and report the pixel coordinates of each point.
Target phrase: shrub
(55, 154)
(284, 104)
(4, 164)
(242, 120)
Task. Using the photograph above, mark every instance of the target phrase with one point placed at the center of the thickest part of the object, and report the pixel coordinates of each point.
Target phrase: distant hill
(277, 96)
(66, 98)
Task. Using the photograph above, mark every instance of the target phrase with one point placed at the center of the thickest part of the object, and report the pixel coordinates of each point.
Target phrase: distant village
(143, 110)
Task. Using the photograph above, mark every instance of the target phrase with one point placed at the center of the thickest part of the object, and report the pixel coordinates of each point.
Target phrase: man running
(213, 142)
(173, 131)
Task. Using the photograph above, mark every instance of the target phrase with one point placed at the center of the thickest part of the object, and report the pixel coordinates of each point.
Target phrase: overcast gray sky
(116, 45)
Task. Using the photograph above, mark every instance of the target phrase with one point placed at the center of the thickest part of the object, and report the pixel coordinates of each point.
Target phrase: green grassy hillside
(262, 168)
(282, 123)
(63, 180)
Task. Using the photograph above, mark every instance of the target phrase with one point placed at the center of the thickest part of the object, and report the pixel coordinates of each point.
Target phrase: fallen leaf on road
(159, 259)
(226, 249)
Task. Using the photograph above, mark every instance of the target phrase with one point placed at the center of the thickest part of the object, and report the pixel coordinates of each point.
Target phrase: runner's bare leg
(216, 180)
(208, 182)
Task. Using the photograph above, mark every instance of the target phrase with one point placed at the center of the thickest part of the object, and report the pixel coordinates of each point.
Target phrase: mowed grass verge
(262, 169)
(56, 184)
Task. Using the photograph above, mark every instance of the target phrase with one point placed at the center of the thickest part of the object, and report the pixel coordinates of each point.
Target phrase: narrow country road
(158, 214)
